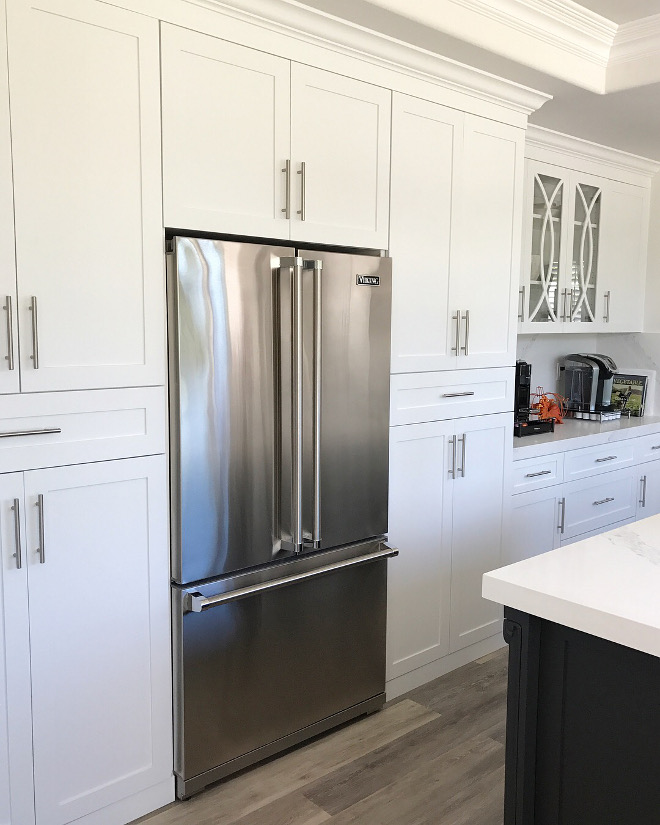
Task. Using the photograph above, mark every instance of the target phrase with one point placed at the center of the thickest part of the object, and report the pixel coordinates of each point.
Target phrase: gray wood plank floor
(432, 757)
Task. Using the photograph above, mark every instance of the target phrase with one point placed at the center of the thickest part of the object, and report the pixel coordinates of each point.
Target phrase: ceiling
(600, 60)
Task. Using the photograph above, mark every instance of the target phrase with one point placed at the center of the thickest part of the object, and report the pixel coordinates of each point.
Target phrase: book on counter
(629, 393)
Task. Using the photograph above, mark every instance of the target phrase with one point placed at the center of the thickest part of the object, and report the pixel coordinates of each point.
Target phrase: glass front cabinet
(560, 285)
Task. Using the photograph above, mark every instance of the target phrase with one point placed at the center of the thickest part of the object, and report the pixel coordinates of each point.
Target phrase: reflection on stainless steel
(279, 402)
(225, 386)
(254, 674)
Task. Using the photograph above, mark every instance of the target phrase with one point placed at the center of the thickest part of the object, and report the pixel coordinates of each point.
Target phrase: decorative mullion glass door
(544, 304)
(584, 262)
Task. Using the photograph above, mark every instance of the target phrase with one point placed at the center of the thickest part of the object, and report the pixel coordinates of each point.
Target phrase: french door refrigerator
(279, 414)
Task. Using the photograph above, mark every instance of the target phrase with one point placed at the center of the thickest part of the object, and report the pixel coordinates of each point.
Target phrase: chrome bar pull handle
(564, 295)
(607, 297)
(603, 501)
(457, 338)
(303, 193)
(17, 533)
(607, 458)
(21, 433)
(642, 500)
(521, 310)
(317, 407)
(42, 540)
(562, 515)
(465, 349)
(540, 473)
(297, 404)
(457, 394)
(463, 441)
(35, 333)
(9, 357)
(452, 469)
(287, 190)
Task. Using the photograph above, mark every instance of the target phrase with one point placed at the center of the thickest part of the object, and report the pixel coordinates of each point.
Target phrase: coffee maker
(586, 380)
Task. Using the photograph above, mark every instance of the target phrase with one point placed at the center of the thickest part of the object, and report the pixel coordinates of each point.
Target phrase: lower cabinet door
(97, 558)
(419, 525)
(484, 446)
(649, 493)
(16, 790)
(533, 524)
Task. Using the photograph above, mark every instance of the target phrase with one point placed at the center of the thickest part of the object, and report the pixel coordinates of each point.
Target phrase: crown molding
(636, 40)
(294, 19)
(584, 150)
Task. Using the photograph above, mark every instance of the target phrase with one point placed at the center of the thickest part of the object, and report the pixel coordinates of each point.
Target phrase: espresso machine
(586, 382)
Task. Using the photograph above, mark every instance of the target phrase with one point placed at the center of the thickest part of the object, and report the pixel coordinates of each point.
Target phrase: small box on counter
(522, 428)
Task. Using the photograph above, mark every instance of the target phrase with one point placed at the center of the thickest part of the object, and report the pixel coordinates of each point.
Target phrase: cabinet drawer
(647, 448)
(534, 473)
(53, 429)
(602, 459)
(433, 396)
(593, 504)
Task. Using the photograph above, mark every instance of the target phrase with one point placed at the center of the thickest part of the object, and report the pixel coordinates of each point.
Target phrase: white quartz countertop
(607, 585)
(576, 433)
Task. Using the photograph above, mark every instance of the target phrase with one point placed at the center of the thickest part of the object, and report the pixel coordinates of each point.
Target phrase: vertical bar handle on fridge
(318, 306)
(297, 403)
(287, 190)
(9, 357)
(35, 333)
(303, 194)
(42, 540)
(17, 532)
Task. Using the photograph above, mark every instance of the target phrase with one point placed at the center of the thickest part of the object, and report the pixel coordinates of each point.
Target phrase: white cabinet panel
(226, 136)
(532, 524)
(484, 456)
(99, 634)
(489, 236)
(595, 503)
(623, 242)
(534, 473)
(340, 130)
(427, 141)
(9, 381)
(85, 119)
(16, 789)
(604, 458)
(420, 526)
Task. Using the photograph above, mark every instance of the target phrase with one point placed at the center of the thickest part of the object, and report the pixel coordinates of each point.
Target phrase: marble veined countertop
(575, 433)
(607, 585)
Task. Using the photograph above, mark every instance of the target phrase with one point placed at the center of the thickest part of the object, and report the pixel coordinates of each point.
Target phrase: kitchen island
(583, 710)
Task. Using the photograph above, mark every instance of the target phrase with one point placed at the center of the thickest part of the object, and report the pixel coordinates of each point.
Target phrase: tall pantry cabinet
(454, 240)
(85, 675)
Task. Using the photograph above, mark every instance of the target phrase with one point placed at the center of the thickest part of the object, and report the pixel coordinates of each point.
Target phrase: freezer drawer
(259, 673)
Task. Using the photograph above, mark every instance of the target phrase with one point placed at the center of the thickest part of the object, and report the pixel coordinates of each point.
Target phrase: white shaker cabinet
(483, 446)
(85, 126)
(93, 594)
(255, 144)
(533, 524)
(9, 372)
(16, 783)
(456, 207)
(446, 511)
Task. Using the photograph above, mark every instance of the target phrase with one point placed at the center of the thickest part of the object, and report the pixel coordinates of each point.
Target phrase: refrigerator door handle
(317, 267)
(197, 603)
(297, 411)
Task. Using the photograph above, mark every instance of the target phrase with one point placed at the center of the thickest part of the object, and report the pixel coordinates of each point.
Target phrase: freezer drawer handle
(19, 433)
(198, 603)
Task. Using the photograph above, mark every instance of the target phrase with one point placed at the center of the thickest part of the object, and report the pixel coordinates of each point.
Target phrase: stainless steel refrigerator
(279, 412)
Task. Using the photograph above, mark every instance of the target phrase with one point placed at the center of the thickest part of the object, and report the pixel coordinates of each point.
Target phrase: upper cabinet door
(16, 788)
(623, 247)
(85, 97)
(340, 150)
(484, 283)
(427, 140)
(226, 136)
(8, 327)
(582, 271)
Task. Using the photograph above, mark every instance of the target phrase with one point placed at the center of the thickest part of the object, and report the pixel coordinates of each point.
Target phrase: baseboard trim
(433, 670)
